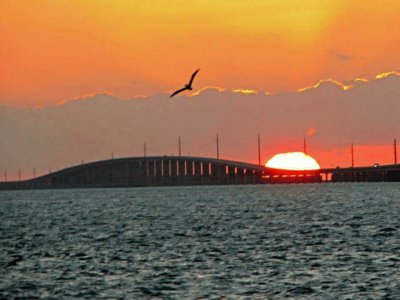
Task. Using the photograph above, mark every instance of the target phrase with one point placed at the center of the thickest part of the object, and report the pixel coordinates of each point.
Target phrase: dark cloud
(93, 127)
(342, 57)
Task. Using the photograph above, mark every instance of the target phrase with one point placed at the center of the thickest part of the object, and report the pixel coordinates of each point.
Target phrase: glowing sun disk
(293, 161)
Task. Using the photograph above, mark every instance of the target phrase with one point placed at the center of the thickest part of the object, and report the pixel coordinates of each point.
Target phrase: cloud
(387, 74)
(220, 89)
(360, 80)
(245, 91)
(91, 95)
(345, 86)
(326, 81)
(84, 97)
(92, 128)
(207, 88)
(311, 131)
(342, 57)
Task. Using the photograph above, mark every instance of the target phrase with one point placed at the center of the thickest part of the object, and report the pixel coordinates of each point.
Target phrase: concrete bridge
(366, 174)
(186, 170)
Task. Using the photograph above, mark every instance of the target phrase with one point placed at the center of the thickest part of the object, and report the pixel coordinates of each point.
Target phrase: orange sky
(55, 51)
(58, 50)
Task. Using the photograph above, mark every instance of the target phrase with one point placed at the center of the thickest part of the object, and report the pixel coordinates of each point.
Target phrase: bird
(187, 86)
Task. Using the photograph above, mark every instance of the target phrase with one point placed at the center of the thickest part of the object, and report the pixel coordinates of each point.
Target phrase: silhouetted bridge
(185, 170)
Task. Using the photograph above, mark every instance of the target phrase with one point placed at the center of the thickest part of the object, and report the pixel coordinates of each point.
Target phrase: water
(325, 241)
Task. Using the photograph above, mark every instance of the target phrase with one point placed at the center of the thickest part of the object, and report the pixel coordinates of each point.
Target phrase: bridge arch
(149, 171)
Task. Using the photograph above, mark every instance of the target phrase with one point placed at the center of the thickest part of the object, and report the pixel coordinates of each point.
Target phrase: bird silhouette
(187, 86)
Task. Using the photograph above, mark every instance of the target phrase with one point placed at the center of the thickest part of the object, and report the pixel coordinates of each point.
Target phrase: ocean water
(322, 241)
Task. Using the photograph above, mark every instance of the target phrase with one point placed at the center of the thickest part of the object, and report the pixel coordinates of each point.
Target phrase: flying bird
(187, 86)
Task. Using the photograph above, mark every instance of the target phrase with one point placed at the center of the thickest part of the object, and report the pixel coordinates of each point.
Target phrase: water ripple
(326, 241)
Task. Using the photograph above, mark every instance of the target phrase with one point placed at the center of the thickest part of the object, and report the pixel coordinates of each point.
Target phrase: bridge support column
(221, 174)
(165, 171)
(157, 172)
(181, 172)
(189, 168)
(151, 171)
(207, 179)
(230, 174)
(174, 172)
(197, 172)
(240, 176)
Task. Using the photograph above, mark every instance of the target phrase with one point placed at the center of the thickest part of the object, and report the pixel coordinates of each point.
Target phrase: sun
(293, 161)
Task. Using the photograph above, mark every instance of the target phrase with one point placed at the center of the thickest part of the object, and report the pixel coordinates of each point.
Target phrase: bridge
(366, 174)
(187, 170)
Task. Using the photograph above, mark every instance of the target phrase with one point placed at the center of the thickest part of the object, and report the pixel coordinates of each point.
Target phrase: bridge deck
(187, 170)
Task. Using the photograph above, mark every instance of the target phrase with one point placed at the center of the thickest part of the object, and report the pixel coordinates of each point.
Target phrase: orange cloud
(311, 131)
(321, 82)
(387, 74)
(86, 96)
(360, 80)
(245, 91)
(210, 87)
(90, 95)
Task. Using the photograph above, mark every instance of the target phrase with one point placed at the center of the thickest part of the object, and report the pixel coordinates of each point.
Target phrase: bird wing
(178, 91)
(193, 75)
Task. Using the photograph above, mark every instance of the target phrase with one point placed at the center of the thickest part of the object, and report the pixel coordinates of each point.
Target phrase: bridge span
(187, 170)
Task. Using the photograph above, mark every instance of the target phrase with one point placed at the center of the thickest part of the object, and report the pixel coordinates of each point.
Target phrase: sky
(55, 52)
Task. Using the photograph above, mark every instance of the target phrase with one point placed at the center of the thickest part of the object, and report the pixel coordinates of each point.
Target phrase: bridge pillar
(137, 173)
(157, 168)
(142, 168)
(213, 173)
(189, 168)
(207, 177)
(174, 168)
(204, 173)
(206, 169)
(165, 168)
(240, 176)
(197, 169)
(253, 176)
(230, 174)
(151, 172)
(118, 171)
(181, 172)
(157, 179)
(196, 175)
(174, 171)
(181, 168)
(220, 174)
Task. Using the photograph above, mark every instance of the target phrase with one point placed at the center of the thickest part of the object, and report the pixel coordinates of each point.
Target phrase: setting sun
(293, 161)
